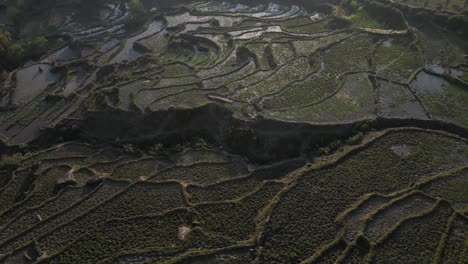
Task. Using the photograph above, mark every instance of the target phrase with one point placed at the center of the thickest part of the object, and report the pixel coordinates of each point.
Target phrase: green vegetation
(315, 90)
(10, 162)
(236, 220)
(384, 220)
(421, 233)
(369, 14)
(362, 19)
(15, 52)
(226, 132)
(445, 101)
(456, 241)
(231, 208)
(291, 235)
(452, 188)
(202, 173)
(237, 187)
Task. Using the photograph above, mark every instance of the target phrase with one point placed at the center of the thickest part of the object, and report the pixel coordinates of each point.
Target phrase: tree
(136, 7)
(338, 23)
(39, 43)
(5, 39)
(137, 18)
(37, 46)
(13, 13)
(392, 16)
(10, 162)
(16, 53)
(458, 23)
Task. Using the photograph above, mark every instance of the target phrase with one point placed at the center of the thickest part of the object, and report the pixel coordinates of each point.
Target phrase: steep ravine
(260, 140)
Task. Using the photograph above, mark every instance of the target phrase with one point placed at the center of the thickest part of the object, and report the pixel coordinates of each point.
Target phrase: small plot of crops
(402, 69)
(453, 6)
(388, 52)
(227, 65)
(442, 99)
(436, 4)
(234, 76)
(193, 156)
(250, 80)
(355, 254)
(188, 99)
(397, 60)
(126, 93)
(227, 190)
(396, 100)
(32, 81)
(146, 97)
(420, 234)
(169, 82)
(106, 167)
(118, 235)
(437, 50)
(38, 186)
(42, 188)
(337, 62)
(104, 191)
(307, 47)
(78, 161)
(388, 217)
(354, 101)
(236, 220)
(5, 177)
(310, 28)
(331, 254)
(295, 70)
(134, 170)
(235, 188)
(19, 184)
(195, 52)
(415, 3)
(357, 217)
(156, 43)
(463, 73)
(71, 149)
(454, 250)
(176, 69)
(202, 173)
(229, 255)
(451, 188)
(297, 21)
(138, 199)
(258, 48)
(32, 216)
(282, 52)
(456, 6)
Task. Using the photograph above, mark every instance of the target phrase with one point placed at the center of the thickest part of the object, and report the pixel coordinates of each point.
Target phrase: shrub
(393, 16)
(13, 13)
(10, 162)
(339, 22)
(177, 148)
(324, 151)
(200, 143)
(156, 149)
(335, 145)
(354, 140)
(39, 44)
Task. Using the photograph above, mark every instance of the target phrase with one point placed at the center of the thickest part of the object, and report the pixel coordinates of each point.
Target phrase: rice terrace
(236, 131)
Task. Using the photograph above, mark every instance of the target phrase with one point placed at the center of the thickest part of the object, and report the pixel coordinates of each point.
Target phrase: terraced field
(235, 132)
